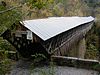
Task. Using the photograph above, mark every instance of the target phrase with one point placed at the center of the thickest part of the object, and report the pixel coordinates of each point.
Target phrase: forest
(13, 11)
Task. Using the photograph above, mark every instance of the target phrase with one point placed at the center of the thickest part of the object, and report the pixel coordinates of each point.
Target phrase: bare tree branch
(9, 9)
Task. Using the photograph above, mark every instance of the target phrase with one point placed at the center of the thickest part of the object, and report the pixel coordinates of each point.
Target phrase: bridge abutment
(81, 48)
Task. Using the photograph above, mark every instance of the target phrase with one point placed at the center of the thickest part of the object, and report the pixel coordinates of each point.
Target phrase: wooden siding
(60, 44)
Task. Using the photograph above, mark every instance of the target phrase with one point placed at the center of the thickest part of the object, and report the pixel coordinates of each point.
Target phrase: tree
(8, 15)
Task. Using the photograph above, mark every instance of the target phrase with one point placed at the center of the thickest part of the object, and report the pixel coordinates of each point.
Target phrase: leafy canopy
(7, 18)
(39, 3)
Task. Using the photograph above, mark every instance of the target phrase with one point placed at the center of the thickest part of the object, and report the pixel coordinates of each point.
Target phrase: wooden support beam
(75, 62)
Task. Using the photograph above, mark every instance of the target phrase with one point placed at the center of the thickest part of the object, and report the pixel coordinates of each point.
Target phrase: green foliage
(58, 10)
(92, 42)
(4, 45)
(8, 18)
(49, 70)
(39, 3)
(92, 47)
(5, 63)
(5, 66)
(38, 57)
(97, 67)
(44, 71)
(93, 3)
(92, 52)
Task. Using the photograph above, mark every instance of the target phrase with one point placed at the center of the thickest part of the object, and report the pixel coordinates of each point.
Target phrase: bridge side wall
(26, 47)
(70, 43)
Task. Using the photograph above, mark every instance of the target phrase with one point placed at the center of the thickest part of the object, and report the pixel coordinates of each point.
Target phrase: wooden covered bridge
(50, 36)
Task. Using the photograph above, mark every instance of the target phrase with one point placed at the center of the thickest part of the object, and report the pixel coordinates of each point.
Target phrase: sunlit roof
(52, 26)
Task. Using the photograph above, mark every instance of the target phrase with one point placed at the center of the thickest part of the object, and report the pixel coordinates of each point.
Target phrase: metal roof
(52, 26)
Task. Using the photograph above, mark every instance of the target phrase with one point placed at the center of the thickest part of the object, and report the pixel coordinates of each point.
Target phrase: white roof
(52, 26)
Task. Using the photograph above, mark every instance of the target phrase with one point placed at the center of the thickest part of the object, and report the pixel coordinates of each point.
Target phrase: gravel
(22, 67)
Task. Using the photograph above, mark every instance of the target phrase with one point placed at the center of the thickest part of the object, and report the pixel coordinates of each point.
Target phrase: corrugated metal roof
(52, 26)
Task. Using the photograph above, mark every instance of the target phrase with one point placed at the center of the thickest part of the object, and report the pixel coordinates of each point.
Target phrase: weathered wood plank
(76, 62)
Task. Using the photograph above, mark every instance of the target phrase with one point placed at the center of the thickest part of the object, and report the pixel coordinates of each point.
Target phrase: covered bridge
(50, 36)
